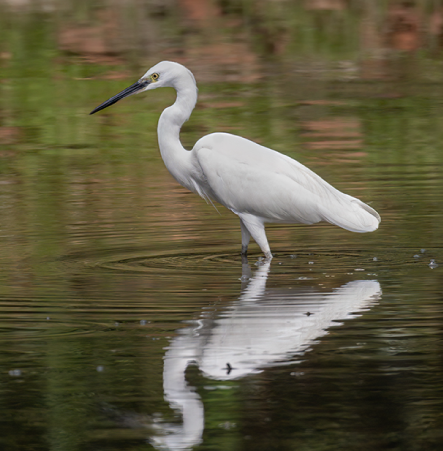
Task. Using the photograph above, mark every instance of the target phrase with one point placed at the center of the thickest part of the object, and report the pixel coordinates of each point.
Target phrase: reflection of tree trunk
(372, 62)
(403, 27)
(201, 12)
(403, 36)
(327, 5)
(436, 30)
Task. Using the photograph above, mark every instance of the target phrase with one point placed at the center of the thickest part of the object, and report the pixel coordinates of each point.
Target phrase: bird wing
(249, 178)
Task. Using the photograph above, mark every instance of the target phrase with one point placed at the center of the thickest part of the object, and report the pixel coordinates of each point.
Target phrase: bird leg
(268, 256)
(253, 226)
(245, 237)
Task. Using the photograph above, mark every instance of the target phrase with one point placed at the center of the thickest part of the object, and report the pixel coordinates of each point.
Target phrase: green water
(127, 319)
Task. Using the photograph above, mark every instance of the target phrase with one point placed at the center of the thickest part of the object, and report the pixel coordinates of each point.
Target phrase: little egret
(256, 183)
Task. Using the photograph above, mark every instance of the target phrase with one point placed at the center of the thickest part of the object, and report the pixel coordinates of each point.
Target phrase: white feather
(258, 184)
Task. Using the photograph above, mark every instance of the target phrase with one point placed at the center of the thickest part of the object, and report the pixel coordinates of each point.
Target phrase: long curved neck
(175, 156)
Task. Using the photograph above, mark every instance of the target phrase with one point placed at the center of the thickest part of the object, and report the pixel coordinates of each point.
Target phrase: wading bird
(256, 183)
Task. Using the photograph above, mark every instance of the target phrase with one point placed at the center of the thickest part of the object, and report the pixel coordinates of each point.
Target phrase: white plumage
(258, 184)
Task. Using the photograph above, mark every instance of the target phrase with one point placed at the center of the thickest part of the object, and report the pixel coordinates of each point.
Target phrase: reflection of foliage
(72, 184)
(47, 93)
(316, 32)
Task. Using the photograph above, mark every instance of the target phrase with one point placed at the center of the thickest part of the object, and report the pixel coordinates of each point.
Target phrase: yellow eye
(155, 77)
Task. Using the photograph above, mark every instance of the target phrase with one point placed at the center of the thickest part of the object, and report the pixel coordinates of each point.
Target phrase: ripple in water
(189, 261)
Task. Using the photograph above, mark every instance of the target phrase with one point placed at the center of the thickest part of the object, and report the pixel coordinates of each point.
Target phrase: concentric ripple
(196, 262)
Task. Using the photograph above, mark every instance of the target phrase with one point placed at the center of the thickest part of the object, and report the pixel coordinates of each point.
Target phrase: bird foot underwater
(244, 255)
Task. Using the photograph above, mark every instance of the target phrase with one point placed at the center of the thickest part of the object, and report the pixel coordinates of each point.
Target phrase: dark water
(127, 318)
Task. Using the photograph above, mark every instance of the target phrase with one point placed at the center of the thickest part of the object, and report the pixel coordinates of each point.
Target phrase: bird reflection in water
(258, 331)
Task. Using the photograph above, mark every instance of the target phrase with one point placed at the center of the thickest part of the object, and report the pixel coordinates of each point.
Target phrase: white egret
(256, 183)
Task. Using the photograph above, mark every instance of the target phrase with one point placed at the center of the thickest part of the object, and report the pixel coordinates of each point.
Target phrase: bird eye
(155, 77)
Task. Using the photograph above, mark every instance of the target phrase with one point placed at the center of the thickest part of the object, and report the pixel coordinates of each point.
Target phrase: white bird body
(257, 183)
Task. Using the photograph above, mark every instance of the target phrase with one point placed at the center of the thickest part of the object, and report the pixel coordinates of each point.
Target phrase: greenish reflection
(351, 89)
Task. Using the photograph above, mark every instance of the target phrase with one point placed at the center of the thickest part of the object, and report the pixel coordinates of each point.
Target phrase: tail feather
(351, 214)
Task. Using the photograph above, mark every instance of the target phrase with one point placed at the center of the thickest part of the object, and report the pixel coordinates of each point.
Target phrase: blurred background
(357, 83)
(104, 256)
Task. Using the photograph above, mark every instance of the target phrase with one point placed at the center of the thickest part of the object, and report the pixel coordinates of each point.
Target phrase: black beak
(133, 89)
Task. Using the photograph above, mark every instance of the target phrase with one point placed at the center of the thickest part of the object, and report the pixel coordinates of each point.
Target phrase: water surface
(127, 317)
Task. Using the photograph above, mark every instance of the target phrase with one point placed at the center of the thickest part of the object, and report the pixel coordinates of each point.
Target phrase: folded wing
(249, 178)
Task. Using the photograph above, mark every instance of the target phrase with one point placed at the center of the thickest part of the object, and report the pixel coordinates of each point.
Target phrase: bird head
(164, 74)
